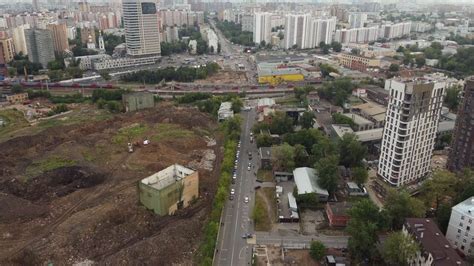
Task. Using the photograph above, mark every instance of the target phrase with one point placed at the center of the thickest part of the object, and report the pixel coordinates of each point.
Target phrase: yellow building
(276, 76)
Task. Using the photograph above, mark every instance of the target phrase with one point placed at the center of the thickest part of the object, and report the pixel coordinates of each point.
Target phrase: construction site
(69, 187)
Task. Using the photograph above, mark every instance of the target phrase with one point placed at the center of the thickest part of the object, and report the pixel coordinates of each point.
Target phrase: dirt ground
(68, 193)
(273, 256)
(225, 77)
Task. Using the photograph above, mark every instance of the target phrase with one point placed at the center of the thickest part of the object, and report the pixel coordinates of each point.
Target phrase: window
(462, 217)
(468, 228)
(459, 230)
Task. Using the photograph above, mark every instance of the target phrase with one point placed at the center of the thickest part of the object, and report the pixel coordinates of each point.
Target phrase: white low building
(225, 111)
(306, 180)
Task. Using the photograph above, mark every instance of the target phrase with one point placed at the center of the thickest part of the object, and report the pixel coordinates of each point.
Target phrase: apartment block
(59, 34)
(262, 27)
(462, 147)
(39, 44)
(460, 231)
(295, 30)
(411, 124)
(7, 47)
(357, 20)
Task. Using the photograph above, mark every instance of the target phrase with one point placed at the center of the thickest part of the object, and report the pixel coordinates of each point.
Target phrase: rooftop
(369, 135)
(341, 129)
(370, 108)
(359, 120)
(466, 206)
(445, 126)
(432, 241)
(167, 176)
(306, 181)
(340, 208)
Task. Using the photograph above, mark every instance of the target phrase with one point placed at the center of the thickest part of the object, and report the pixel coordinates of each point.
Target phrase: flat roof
(446, 126)
(359, 120)
(427, 233)
(371, 108)
(265, 152)
(369, 135)
(292, 201)
(341, 129)
(167, 176)
(466, 206)
(306, 181)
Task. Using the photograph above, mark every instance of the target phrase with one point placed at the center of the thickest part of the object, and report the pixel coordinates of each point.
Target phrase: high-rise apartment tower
(411, 124)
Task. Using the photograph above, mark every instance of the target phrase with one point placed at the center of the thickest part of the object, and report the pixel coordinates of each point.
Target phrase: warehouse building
(138, 101)
(169, 190)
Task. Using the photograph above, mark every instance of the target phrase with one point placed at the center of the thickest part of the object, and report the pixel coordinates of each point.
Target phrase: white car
(232, 191)
(246, 199)
(248, 168)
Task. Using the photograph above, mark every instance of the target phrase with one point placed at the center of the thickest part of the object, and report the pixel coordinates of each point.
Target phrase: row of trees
(181, 74)
(337, 91)
(233, 32)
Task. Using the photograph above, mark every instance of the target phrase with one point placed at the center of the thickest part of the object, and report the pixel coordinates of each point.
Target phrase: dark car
(257, 187)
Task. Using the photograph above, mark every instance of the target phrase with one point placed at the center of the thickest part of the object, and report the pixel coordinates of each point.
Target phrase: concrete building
(295, 30)
(169, 190)
(462, 147)
(142, 33)
(434, 247)
(138, 101)
(59, 34)
(410, 129)
(87, 61)
(460, 231)
(39, 43)
(398, 30)
(357, 20)
(210, 36)
(262, 27)
(247, 22)
(19, 42)
(265, 155)
(17, 98)
(8, 48)
(319, 30)
(225, 111)
(356, 62)
(3, 64)
(357, 35)
(360, 122)
(306, 180)
(192, 46)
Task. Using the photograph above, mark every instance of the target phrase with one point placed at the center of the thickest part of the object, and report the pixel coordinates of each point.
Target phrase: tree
(317, 250)
(360, 175)
(394, 68)
(264, 140)
(307, 120)
(105, 75)
(401, 205)
(280, 123)
(399, 248)
(355, 51)
(16, 88)
(366, 220)
(439, 187)
(323, 148)
(420, 61)
(328, 173)
(336, 46)
(237, 104)
(339, 118)
(301, 156)
(283, 157)
(351, 151)
(452, 97)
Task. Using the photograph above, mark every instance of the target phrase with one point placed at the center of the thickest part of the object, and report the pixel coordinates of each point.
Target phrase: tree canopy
(400, 205)
(398, 248)
(283, 157)
(317, 250)
(351, 151)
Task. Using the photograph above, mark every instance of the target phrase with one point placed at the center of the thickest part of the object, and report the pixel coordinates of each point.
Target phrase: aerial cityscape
(237, 132)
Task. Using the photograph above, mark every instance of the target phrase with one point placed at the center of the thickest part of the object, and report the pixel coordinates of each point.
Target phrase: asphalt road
(232, 249)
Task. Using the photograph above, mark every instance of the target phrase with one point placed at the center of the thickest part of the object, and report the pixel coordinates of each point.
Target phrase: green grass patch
(170, 131)
(265, 175)
(13, 120)
(48, 164)
(128, 133)
(260, 215)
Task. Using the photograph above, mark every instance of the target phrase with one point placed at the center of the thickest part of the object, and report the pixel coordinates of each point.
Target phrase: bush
(317, 250)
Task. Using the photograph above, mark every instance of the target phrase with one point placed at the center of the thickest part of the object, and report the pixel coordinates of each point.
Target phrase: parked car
(232, 191)
(246, 199)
